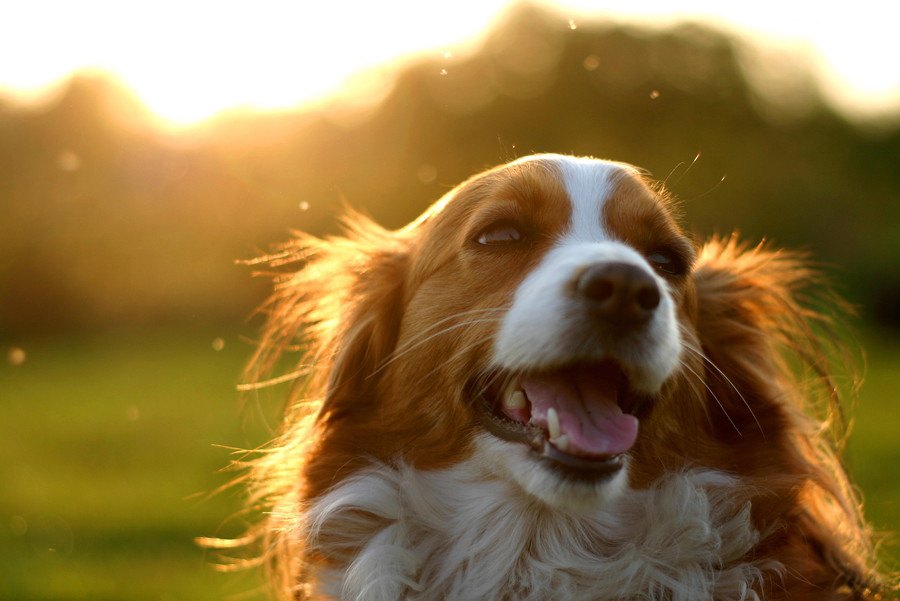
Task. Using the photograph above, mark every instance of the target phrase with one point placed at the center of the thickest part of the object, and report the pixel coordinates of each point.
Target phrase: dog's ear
(341, 310)
(370, 316)
(753, 321)
(769, 329)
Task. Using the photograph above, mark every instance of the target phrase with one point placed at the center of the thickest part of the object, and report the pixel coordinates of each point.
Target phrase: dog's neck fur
(461, 534)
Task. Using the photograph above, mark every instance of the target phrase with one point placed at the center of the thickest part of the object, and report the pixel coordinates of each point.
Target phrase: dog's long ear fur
(766, 322)
(341, 309)
(761, 315)
(331, 323)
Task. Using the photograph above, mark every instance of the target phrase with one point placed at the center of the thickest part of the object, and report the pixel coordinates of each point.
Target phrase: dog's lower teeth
(561, 442)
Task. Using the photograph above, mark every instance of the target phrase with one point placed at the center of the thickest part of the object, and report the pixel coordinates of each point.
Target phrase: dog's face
(542, 311)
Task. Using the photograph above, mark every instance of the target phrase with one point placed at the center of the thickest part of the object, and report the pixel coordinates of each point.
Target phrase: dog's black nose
(618, 294)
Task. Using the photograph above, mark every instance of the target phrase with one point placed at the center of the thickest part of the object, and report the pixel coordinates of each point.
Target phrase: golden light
(190, 60)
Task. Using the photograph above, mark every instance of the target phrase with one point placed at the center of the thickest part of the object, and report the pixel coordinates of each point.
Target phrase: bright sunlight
(188, 61)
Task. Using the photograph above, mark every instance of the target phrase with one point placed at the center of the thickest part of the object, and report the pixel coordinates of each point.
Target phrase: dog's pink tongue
(585, 403)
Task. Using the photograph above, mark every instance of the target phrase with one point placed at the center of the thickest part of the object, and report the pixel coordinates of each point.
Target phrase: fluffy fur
(385, 485)
(456, 533)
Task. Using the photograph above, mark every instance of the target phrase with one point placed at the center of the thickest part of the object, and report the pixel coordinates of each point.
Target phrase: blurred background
(146, 147)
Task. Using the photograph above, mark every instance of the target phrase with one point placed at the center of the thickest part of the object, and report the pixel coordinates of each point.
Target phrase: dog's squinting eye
(501, 233)
(667, 262)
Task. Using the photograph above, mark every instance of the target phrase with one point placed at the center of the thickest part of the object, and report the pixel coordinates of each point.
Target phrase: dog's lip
(495, 418)
(581, 467)
(507, 429)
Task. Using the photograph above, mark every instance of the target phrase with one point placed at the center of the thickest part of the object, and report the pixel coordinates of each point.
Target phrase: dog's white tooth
(553, 423)
(515, 400)
(561, 442)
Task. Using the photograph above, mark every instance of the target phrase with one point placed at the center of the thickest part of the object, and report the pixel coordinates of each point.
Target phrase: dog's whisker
(440, 322)
(711, 363)
(702, 380)
(490, 380)
(409, 348)
(458, 353)
(419, 335)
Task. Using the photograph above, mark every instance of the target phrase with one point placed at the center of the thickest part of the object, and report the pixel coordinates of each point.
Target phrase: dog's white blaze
(589, 182)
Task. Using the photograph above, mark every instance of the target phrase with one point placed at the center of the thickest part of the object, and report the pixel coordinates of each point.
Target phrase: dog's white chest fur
(459, 534)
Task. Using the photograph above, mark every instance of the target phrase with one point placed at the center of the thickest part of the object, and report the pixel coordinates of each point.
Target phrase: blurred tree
(106, 220)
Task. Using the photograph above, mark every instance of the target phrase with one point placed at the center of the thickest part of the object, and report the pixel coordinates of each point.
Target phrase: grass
(109, 446)
(109, 449)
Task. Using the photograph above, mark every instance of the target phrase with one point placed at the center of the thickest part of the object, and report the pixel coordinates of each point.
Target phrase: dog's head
(545, 301)
(541, 318)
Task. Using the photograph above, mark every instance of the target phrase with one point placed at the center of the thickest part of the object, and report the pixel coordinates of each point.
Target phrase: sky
(190, 59)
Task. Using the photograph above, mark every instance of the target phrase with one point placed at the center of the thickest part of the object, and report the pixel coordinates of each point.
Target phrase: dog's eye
(500, 233)
(667, 261)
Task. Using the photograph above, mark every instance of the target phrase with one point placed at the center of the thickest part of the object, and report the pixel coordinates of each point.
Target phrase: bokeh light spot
(426, 173)
(16, 356)
(68, 161)
(18, 525)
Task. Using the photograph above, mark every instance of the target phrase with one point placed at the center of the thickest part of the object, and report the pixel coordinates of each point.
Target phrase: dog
(543, 389)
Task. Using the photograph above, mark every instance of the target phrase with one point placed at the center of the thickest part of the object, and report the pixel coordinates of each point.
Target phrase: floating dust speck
(219, 343)
(426, 173)
(68, 161)
(303, 206)
(51, 536)
(443, 71)
(132, 413)
(654, 94)
(16, 356)
(591, 62)
(573, 25)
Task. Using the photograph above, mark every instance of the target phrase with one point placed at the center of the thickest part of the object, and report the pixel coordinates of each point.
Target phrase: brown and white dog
(543, 389)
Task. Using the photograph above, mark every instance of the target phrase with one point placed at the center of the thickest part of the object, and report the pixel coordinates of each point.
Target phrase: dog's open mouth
(579, 417)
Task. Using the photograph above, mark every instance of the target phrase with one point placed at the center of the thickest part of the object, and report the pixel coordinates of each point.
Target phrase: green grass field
(109, 446)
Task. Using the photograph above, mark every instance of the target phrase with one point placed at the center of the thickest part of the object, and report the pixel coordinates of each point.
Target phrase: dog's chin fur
(516, 463)
(388, 483)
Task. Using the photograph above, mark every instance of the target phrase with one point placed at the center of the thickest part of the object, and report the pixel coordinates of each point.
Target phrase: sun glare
(188, 61)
